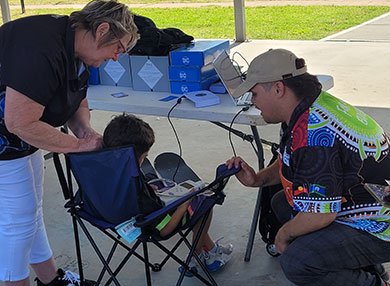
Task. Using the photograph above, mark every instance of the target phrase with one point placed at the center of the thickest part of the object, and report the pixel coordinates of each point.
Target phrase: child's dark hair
(127, 129)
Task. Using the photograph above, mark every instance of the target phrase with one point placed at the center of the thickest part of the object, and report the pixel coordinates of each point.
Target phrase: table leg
(255, 219)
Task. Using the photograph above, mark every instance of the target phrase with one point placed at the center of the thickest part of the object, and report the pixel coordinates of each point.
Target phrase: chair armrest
(222, 173)
(142, 221)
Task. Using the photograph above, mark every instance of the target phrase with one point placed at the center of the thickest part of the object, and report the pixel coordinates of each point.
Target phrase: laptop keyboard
(245, 99)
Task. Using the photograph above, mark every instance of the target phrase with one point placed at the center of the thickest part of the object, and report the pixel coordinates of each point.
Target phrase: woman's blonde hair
(117, 15)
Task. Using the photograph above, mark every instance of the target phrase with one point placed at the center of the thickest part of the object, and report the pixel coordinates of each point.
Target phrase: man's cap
(273, 65)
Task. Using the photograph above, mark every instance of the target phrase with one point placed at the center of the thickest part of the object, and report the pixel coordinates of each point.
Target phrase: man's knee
(299, 267)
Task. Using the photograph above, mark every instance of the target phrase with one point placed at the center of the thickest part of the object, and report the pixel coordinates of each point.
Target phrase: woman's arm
(79, 123)
(22, 118)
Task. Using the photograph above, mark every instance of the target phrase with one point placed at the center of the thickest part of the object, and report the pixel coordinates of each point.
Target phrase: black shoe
(378, 269)
(66, 278)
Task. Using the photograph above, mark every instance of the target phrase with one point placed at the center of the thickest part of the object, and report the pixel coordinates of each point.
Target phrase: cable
(237, 66)
(238, 53)
(243, 74)
(177, 137)
(230, 127)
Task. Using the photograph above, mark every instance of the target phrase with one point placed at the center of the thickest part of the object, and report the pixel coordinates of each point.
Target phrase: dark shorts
(198, 208)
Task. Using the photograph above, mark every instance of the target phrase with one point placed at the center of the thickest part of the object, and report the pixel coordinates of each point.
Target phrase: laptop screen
(228, 74)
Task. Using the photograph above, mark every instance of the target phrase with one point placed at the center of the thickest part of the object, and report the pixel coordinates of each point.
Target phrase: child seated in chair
(127, 129)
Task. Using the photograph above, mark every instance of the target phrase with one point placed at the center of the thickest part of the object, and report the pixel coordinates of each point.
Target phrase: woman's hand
(92, 142)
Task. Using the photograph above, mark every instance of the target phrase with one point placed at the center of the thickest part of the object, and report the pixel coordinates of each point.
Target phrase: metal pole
(256, 213)
(23, 7)
(239, 20)
(5, 11)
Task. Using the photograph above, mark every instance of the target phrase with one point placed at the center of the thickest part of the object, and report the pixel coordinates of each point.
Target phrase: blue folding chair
(109, 185)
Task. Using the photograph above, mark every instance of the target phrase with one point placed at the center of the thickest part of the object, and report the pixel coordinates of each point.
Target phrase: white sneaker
(194, 265)
(71, 277)
(66, 278)
(215, 261)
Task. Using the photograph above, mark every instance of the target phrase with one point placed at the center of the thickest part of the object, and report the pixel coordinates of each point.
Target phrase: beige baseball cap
(273, 65)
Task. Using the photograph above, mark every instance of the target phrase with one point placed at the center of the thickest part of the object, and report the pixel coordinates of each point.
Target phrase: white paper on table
(150, 74)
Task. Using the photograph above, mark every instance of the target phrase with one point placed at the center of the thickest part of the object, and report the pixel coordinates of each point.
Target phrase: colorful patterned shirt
(327, 152)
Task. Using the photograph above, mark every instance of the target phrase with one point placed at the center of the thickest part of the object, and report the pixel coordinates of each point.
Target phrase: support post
(5, 11)
(239, 20)
(23, 6)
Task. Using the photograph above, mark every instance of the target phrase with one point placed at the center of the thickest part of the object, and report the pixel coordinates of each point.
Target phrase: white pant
(23, 238)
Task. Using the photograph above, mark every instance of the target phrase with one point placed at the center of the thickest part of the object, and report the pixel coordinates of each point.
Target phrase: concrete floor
(361, 74)
(232, 220)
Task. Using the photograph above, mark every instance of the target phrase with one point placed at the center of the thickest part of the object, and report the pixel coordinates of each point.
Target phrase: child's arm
(175, 219)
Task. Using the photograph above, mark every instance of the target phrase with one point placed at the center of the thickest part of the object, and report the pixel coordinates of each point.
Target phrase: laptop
(231, 78)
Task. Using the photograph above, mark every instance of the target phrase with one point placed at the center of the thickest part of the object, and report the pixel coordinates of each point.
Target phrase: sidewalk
(375, 30)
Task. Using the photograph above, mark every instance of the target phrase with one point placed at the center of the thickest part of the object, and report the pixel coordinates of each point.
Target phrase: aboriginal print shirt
(327, 152)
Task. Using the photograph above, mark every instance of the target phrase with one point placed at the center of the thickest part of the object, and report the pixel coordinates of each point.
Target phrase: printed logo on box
(186, 60)
(184, 88)
(183, 75)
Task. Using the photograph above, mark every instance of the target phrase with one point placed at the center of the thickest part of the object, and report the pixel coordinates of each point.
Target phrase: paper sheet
(150, 74)
(115, 70)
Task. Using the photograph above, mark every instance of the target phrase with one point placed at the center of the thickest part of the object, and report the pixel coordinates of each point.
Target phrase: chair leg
(98, 252)
(109, 257)
(132, 250)
(179, 261)
(147, 268)
(78, 249)
(174, 248)
(124, 261)
(192, 250)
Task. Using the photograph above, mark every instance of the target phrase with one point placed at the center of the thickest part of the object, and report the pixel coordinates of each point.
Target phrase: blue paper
(128, 231)
(168, 98)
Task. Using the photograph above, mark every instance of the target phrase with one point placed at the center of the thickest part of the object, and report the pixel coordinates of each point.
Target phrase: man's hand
(247, 176)
(282, 240)
(301, 224)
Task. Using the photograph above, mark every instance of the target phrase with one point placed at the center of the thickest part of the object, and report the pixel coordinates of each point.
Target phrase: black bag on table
(157, 42)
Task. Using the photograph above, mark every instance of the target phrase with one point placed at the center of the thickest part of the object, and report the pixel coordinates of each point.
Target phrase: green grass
(274, 22)
(36, 2)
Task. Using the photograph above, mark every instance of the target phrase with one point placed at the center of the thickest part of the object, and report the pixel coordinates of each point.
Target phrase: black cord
(238, 53)
(243, 74)
(177, 137)
(230, 128)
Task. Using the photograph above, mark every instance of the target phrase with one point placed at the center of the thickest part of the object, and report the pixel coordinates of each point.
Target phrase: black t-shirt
(37, 59)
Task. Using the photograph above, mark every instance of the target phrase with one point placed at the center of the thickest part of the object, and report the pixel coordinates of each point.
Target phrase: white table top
(140, 102)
